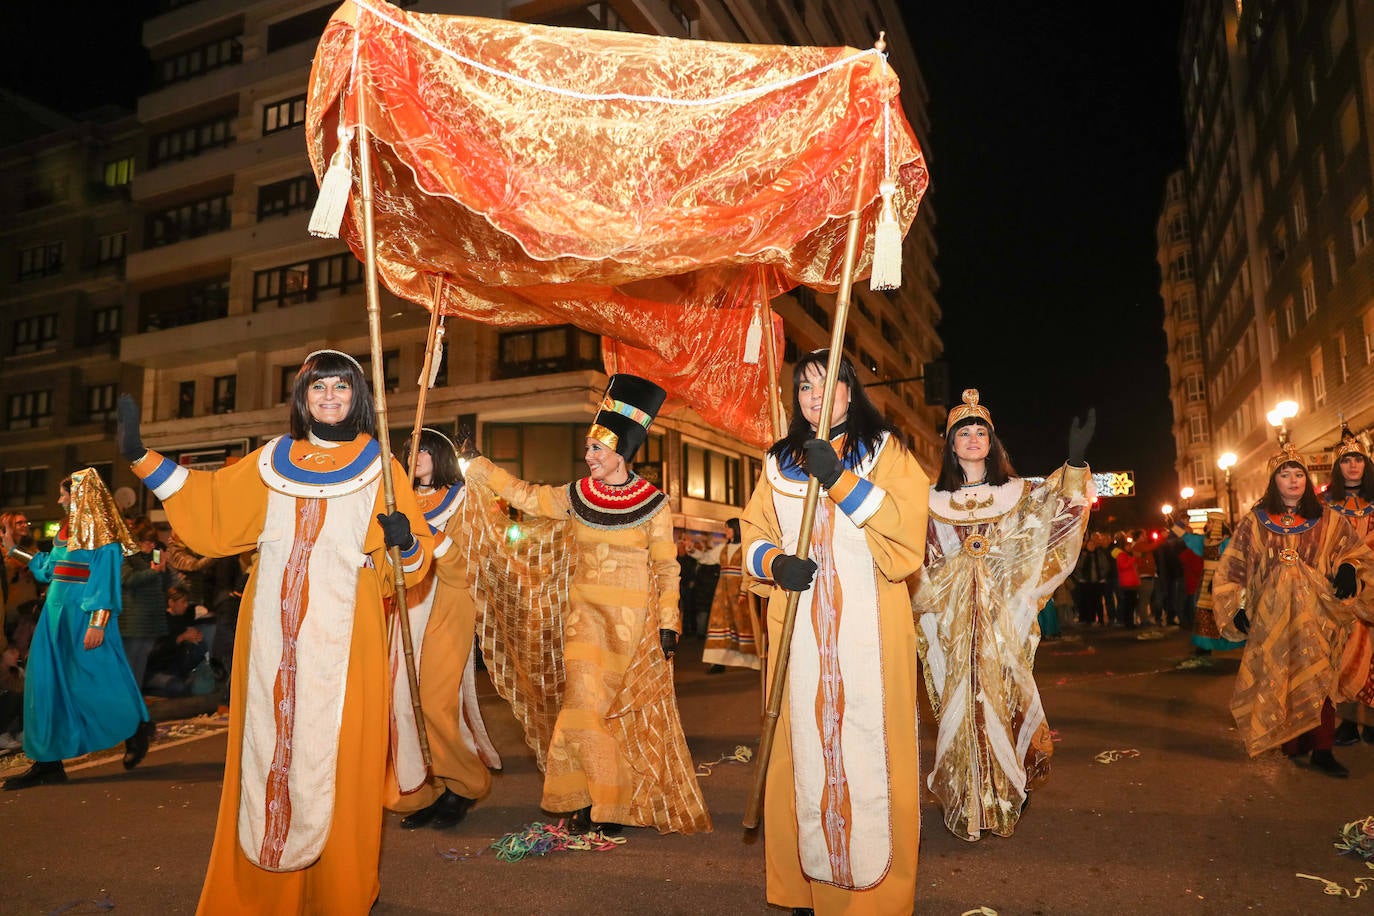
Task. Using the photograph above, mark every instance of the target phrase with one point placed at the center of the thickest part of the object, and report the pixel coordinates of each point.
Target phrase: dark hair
(1308, 505)
(733, 525)
(177, 593)
(864, 425)
(362, 417)
(441, 453)
(1338, 490)
(997, 464)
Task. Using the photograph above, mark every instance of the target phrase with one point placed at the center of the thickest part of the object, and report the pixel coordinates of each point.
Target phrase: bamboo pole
(775, 415)
(813, 489)
(374, 331)
(425, 371)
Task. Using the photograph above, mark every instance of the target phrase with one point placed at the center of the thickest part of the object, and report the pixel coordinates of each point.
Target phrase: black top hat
(627, 408)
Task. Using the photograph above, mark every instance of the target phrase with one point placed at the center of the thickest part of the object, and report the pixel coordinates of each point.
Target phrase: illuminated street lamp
(1186, 494)
(1166, 509)
(1278, 418)
(1226, 462)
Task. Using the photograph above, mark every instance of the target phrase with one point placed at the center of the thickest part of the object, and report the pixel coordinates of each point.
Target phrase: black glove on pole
(1346, 583)
(793, 574)
(1080, 434)
(396, 530)
(127, 437)
(821, 462)
(668, 640)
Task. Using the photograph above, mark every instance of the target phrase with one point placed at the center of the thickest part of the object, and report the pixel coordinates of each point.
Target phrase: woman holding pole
(842, 801)
(300, 818)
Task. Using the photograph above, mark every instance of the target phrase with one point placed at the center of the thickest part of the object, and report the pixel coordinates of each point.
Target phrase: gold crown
(1287, 454)
(1350, 444)
(970, 408)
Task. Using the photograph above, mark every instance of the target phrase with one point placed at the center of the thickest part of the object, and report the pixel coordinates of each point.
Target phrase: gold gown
(1357, 663)
(1281, 574)
(994, 555)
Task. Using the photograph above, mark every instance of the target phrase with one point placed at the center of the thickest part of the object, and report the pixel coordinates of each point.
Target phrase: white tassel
(753, 341)
(328, 215)
(887, 243)
(437, 360)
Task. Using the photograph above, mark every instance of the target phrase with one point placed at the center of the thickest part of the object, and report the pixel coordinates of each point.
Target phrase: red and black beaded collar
(603, 505)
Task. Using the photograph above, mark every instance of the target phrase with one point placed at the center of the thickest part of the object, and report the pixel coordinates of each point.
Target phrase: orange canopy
(652, 190)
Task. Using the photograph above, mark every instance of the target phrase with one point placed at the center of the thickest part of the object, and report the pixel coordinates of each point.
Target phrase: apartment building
(225, 290)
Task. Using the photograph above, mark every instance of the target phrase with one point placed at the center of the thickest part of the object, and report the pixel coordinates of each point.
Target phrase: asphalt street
(1178, 821)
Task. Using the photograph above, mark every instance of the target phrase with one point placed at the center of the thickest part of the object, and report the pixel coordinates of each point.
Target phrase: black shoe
(452, 808)
(580, 821)
(136, 747)
(40, 774)
(1368, 734)
(1325, 762)
(716, 669)
(607, 828)
(1347, 733)
(803, 911)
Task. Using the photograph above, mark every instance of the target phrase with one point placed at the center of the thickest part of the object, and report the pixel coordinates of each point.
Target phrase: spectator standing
(18, 584)
(1128, 579)
(145, 582)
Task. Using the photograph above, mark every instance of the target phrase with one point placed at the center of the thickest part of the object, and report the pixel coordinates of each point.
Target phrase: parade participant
(1351, 494)
(730, 630)
(616, 754)
(1199, 555)
(79, 694)
(997, 547)
(300, 817)
(1295, 564)
(442, 622)
(842, 803)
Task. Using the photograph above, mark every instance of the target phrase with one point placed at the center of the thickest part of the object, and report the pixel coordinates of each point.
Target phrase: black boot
(1347, 733)
(1368, 734)
(580, 821)
(424, 816)
(40, 774)
(803, 911)
(716, 669)
(452, 808)
(1325, 762)
(136, 746)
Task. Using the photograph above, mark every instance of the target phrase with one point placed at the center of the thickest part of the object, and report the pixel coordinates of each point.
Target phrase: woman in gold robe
(1351, 495)
(1296, 566)
(730, 630)
(842, 802)
(615, 753)
(996, 548)
(300, 817)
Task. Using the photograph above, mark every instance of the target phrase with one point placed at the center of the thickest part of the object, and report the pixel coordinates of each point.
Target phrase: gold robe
(730, 629)
(1298, 628)
(231, 511)
(994, 556)
(616, 743)
(842, 803)
(1357, 662)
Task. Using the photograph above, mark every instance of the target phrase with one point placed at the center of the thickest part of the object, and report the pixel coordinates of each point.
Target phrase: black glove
(1079, 437)
(821, 462)
(668, 640)
(1242, 621)
(396, 530)
(127, 437)
(793, 573)
(467, 444)
(1346, 583)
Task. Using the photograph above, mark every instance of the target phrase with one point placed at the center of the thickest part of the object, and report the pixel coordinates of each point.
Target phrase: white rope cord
(616, 96)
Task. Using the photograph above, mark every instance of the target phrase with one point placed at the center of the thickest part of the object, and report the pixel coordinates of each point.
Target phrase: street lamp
(1278, 418)
(1166, 509)
(1226, 462)
(1186, 494)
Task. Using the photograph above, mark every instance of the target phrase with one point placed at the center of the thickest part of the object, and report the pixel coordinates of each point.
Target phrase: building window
(30, 410)
(283, 115)
(226, 389)
(286, 383)
(1367, 324)
(110, 248)
(1189, 347)
(186, 303)
(1322, 180)
(192, 140)
(106, 322)
(100, 402)
(1338, 30)
(542, 351)
(1331, 266)
(1197, 430)
(1193, 389)
(1202, 472)
(1187, 307)
(710, 475)
(391, 368)
(1309, 293)
(1349, 126)
(189, 220)
(37, 332)
(40, 261)
(119, 172)
(1318, 377)
(24, 486)
(283, 197)
(1343, 356)
(186, 400)
(1183, 267)
(294, 284)
(1299, 213)
(197, 61)
(1359, 226)
(304, 27)
(1273, 336)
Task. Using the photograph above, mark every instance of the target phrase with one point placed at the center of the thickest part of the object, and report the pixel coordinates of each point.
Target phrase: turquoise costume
(78, 700)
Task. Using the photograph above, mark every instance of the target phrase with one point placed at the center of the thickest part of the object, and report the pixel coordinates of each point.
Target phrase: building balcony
(218, 162)
(218, 247)
(226, 81)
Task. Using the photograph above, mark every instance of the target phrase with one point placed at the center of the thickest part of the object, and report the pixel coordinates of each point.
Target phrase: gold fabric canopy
(651, 190)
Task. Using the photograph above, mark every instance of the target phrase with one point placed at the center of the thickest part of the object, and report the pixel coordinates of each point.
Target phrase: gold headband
(604, 436)
(1287, 454)
(970, 408)
(1350, 445)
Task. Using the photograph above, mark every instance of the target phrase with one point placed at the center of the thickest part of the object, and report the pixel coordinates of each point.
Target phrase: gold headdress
(970, 408)
(1288, 453)
(94, 519)
(1350, 444)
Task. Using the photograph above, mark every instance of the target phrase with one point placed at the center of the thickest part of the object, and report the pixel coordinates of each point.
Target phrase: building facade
(1278, 185)
(224, 290)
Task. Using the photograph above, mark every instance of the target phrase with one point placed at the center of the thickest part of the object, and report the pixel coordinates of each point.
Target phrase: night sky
(1054, 128)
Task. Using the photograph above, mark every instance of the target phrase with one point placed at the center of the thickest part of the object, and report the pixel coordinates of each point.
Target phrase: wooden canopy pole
(813, 489)
(775, 414)
(374, 331)
(425, 372)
